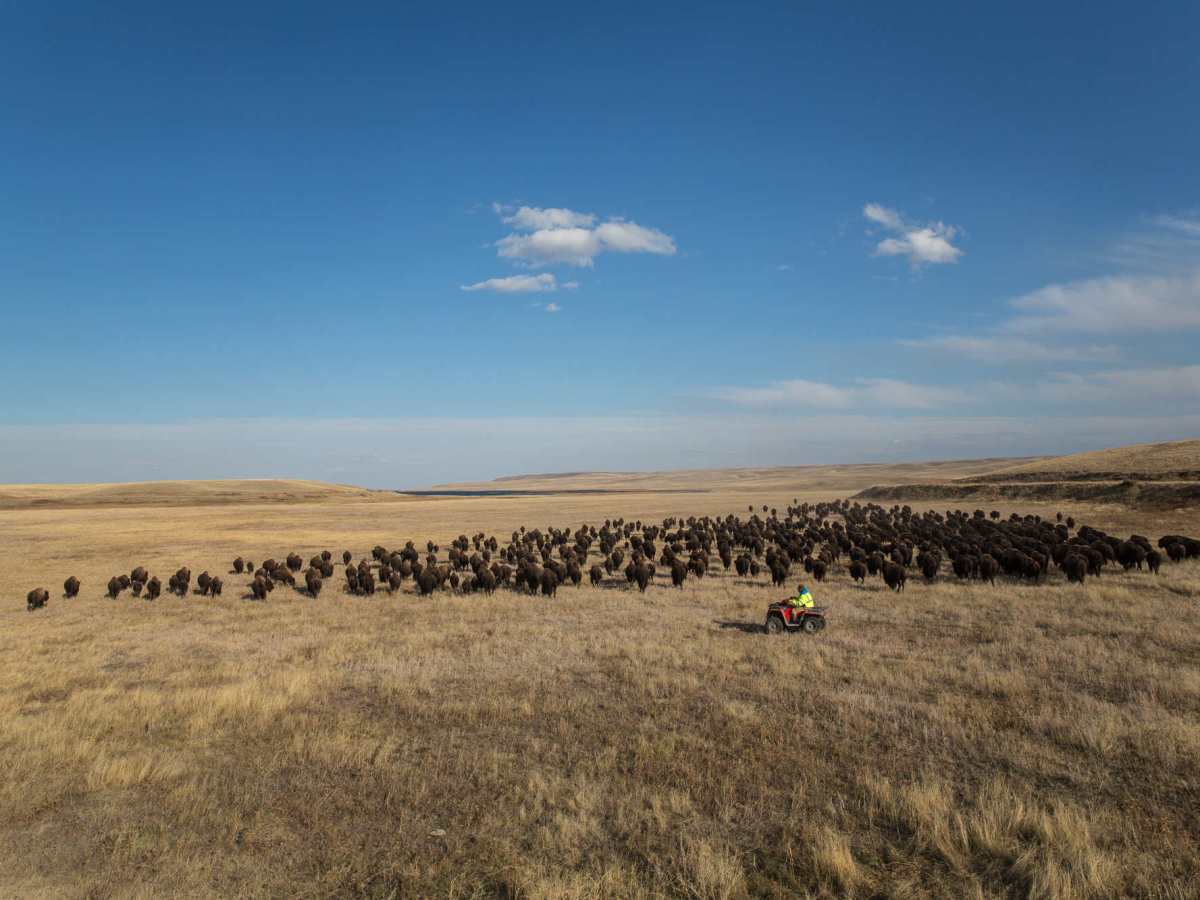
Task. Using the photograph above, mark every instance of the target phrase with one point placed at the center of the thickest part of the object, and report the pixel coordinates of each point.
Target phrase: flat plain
(955, 740)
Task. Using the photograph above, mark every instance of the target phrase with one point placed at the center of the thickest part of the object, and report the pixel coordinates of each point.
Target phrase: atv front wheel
(811, 625)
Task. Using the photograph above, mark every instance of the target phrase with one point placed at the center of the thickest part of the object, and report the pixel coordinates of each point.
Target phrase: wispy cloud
(1163, 244)
(864, 392)
(923, 243)
(1126, 388)
(551, 307)
(1114, 305)
(522, 284)
(1010, 349)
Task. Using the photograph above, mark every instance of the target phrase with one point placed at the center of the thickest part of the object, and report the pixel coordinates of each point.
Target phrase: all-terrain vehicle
(781, 617)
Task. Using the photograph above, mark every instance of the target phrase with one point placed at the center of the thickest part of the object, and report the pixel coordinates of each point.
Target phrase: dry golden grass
(953, 741)
(174, 493)
(1171, 459)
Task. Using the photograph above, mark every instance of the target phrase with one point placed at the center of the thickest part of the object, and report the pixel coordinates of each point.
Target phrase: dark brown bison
(1075, 567)
(258, 588)
(894, 576)
(596, 574)
(819, 568)
(427, 582)
(153, 588)
(71, 587)
(214, 587)
(549, 582)
(858, 571)
(346, 557)
(36, 599)
(202, 582)
(988, 568)
(1153, 561)
(643, 576)
(239, 565)
(114, 587)
(679, 573)
(139, 574)
(312, 581)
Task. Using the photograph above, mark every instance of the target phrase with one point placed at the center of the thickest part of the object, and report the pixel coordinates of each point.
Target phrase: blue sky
(397, 246)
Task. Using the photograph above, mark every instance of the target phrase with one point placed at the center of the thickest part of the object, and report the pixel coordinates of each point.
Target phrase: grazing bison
(36, 599)
(929, 566)
(894, 576)
(426, 582)
(258, 587)
(71, 587)
(1176, 552)
(1075, 567)
(679, 573)
(485, 580)
(1131, 554)
(596, 574)
(858, 571)
(988, 568)
(239, 565)
(346, 557)
(202, 582)
(139, 574)
(214, 587)
(114, 587)
(819, 569)
(136, 588)
(312, 581)
(549, 583)
(1153, 561)
(642, 575)
(153, 588)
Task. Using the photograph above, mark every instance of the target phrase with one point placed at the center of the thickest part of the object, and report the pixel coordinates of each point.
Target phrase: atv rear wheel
(774, 625)
(812, 625)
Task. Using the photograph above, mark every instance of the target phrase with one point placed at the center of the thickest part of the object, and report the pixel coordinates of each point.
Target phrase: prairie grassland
(954, 741)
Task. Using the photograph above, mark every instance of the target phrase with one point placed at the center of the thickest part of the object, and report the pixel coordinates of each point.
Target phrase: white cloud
(570, 246)
(1116, 304)
(520, 284)
(865, 392)
(1006, 349)
(532, 218)
(629, 237)
(882, 215)
(928, 243)
(552, 307)
(563, 236)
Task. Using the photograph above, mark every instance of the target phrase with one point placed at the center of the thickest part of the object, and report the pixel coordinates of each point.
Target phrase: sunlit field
(955, 740)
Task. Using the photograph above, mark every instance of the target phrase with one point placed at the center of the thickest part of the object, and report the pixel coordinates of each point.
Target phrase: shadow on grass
(743, 627)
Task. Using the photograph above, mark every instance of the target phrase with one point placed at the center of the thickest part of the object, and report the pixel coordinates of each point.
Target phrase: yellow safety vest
(805, 600)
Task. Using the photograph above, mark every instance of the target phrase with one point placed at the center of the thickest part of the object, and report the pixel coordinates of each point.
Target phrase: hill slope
(173, 493)
(1168, 461)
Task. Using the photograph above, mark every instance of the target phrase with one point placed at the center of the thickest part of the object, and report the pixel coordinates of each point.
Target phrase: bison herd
(864, 540)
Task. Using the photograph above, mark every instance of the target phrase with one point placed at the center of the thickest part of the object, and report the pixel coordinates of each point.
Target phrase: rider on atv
(803, 600)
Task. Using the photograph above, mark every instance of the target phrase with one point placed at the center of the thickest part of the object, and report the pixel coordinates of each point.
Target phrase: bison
(894, 576)
(71, 587)
(36, 599)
